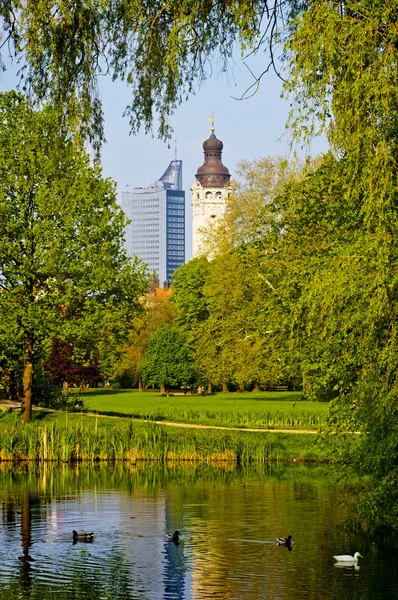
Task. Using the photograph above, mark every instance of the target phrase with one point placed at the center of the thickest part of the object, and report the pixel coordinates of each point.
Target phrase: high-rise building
(210, 191)
(156, 233)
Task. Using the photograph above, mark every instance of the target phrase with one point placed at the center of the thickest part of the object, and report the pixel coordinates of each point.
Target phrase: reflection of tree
(174, 572)
(84, 584)
(8, 511)
(80, 588)
(26, 535)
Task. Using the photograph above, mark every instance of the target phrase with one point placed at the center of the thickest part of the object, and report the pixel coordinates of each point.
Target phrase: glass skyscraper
(156, 233)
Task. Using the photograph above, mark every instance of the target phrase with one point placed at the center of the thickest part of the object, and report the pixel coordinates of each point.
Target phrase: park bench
(280, 388)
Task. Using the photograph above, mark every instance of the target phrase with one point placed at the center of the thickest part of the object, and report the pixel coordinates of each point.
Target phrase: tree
(332, 312)
(63, 269)
(343, 294)
(61, 365)
(338, 58)
(158, 311)
(343, 59)
(160, 51)
(224, 304)
(188, 285)
(236, 343)
(168, 360)
(256, 185)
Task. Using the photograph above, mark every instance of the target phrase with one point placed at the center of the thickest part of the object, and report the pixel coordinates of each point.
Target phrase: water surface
(228, 519)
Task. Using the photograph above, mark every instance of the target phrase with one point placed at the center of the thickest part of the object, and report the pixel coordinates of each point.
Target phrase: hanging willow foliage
(162, 50)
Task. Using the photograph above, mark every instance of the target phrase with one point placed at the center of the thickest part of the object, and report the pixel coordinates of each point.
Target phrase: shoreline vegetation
(70, 437)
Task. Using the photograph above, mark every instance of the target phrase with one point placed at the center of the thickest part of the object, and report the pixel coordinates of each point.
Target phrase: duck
(174, 537)
(284, 541)
(82, 537)
(347, 558)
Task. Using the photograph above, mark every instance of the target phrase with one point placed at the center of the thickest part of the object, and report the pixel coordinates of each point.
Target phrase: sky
(249, 129)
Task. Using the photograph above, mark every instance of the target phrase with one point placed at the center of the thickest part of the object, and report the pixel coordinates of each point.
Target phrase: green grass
(71, 437)
(257, 410)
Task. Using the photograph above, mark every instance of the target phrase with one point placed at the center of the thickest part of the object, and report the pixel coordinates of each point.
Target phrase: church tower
(210, 191)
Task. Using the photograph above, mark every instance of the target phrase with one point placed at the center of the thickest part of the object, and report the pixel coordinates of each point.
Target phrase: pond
(228, 521)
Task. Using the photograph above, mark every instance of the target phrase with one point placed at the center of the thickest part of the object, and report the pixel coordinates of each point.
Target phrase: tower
(156, 232)
(210, 191)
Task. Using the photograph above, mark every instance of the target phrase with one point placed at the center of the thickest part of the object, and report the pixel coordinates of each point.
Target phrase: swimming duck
(82, 537)
(284, 541)
(174, 537)
(347, 558)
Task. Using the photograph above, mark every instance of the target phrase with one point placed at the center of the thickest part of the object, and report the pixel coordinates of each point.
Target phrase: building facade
(210, 192)
(156, 233)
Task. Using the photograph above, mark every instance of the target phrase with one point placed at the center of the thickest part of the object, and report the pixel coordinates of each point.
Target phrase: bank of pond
(73, 437)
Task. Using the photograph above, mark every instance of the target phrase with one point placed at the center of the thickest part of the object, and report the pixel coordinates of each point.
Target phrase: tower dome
(209, 193)
(212, 144)
(213, 173)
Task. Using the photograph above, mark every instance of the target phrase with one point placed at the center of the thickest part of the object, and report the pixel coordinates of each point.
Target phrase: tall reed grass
(73, 438)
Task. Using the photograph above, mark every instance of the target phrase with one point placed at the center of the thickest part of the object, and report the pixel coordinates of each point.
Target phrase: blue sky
(250, 128)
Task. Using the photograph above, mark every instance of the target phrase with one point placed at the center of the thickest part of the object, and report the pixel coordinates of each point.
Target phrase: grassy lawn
(260, 410)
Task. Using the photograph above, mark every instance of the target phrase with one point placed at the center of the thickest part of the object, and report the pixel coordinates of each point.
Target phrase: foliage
(63, 269)
(226, 305)
(227, 343)
(160, 50)
(188, 294)
(334, 278)
(158, 311)
(62, 367)
(343, 61)
(168, 360)
(258, 182)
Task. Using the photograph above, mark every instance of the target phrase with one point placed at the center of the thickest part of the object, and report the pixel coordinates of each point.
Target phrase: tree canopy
(63, 267)
(158, 311)
(304, 290)
(188, 294)
(338, 59)
(161, 50)
(168, 360)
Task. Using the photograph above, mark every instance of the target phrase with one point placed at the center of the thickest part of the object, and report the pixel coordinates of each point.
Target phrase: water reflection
(26, 524)
(229, 522)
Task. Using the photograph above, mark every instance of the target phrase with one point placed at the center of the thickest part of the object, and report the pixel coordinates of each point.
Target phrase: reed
(77, 438)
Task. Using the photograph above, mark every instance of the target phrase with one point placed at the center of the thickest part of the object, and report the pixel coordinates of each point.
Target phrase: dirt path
(195, 426)
(17, 405)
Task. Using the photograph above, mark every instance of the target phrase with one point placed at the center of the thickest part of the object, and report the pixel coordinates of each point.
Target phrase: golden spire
(212, 119)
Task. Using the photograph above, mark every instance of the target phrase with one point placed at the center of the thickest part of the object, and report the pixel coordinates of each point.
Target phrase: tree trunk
(162, 389)
(26, 401)
(140, 384)
(209, 387)
(256, 387)
(224, 388)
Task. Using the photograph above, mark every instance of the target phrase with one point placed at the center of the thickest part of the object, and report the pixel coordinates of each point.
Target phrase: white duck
(347, 558)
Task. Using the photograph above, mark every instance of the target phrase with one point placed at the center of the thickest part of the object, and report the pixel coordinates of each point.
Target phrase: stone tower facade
(210, 191)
